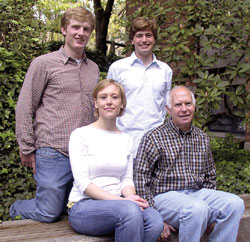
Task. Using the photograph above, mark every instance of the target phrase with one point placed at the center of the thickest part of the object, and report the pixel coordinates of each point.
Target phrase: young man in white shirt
(146, 81)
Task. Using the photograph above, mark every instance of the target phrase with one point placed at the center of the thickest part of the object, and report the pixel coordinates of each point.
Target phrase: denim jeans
(191, 211)
(54, 180)
(125, 218)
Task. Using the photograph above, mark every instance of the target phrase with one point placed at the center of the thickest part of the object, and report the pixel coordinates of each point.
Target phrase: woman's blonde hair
(105, 83)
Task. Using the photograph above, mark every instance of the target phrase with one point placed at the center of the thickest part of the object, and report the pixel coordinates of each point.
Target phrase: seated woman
(103, 195)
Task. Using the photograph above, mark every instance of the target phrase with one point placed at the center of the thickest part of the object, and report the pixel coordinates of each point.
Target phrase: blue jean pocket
(49, 157)
(48, 152)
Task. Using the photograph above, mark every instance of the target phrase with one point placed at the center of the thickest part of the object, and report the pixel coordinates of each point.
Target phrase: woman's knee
(153, 224)
(153, 220)
(129, 208)
(157, 227)
(130, 212)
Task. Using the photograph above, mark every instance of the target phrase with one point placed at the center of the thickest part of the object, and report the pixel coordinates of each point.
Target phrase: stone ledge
(61, 231)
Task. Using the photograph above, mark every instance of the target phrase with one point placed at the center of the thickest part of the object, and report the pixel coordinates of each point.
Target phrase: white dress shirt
(100, 157)
(146, 88)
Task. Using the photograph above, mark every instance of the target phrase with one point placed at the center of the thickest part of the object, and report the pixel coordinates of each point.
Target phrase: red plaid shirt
(56, 98)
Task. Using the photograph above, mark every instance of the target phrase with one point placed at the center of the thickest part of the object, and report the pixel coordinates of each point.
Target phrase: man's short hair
(142, 24)
(169, 96)
(80, 14)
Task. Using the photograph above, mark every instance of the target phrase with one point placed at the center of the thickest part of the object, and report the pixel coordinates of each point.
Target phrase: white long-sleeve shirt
(146, 88)
(100, 157)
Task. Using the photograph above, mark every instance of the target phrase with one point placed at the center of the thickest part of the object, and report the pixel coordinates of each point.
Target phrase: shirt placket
(81, 86)
(185, 159)
(147, 100)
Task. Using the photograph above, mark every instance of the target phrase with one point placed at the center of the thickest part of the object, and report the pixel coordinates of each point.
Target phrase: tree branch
(109, 6)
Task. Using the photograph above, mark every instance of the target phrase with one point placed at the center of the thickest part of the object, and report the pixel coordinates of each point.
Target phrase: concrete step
(61, 231)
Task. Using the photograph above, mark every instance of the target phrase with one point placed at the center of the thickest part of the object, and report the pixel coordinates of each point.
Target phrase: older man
(175, 172)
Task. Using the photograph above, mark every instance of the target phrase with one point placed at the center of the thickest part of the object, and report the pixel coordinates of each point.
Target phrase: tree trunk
(102, 23)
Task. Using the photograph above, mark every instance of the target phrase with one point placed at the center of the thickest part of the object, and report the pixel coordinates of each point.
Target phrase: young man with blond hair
(146, 81)
(55, 99)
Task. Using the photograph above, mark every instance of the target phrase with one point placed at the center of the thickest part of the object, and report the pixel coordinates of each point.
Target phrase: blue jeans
(125, 218)
(54, 180)
(191, 211)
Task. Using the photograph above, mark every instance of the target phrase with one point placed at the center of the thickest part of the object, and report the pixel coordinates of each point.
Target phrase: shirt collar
(134, 59)
(66, 58)
(177, 130)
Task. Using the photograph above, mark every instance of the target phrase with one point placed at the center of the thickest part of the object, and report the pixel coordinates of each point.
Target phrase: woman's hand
(140, 201)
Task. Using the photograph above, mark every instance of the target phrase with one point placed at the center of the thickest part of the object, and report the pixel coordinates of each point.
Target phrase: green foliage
(18, 45)
(20, 40)
(206, 43)
(50, 12)
(232, 165)
(11, 76)
(101, 60)
(117, 27)
(19, 28)
(16, 182)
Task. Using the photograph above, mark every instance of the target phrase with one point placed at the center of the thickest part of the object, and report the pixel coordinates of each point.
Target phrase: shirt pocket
(198, 161)
(159, 87)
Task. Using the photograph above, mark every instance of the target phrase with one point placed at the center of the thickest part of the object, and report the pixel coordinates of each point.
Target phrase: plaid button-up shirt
(169, 159)
(56, 98)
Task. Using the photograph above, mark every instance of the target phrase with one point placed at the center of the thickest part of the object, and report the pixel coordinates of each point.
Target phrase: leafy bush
(16, 182)
(19, 39)
(232, 165)
(13, 177)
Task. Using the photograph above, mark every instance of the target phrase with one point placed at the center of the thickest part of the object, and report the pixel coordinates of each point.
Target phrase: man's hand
(210, 228)
(29, 160)
(166, 232)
